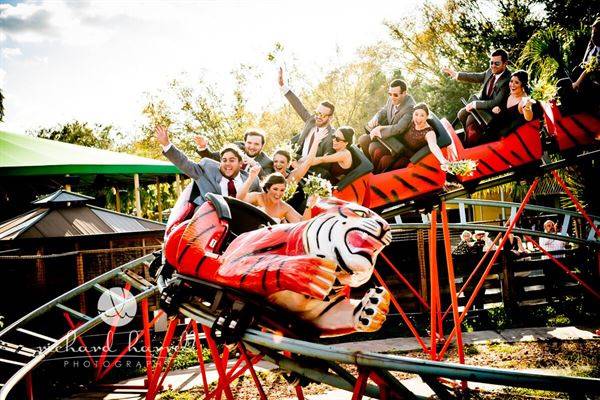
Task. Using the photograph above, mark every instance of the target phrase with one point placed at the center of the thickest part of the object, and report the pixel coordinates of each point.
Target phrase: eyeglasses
(496, 63)
(338, 139)
(319, 114)
(393, 94)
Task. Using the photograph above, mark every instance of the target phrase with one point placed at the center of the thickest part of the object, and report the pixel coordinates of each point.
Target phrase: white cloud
(10, 52)
(2, 77)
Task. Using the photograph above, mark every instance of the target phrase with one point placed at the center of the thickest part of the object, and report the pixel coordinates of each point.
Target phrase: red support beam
(401, 311)
(405, 281)
(492, 261)
(576, 202)
(79, 338)
(244, 355)
(162, 356)
(472, 275)
(360, 385)
(200, 355)
(223, 384)
(433, 286)
(452, 284)
(564, 268)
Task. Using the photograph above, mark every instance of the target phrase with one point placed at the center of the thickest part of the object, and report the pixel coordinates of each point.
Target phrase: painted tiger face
(350, 235)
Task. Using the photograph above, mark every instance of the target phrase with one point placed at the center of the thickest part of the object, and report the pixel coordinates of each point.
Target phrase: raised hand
(201, 141)
(450, 72)
(162, 135)
(255, 170)
(280, 80)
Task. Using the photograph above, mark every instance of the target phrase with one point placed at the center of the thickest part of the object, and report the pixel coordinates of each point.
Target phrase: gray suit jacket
(326, 145)
(205, 173)
(501, 89)
(395, 124)
(265, 162)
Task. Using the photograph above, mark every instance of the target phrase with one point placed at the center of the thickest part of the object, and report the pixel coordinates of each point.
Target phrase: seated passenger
(494, 91)
(388, 123)
(582, 92)
(465, 244)
(341, 161)
(549, 244)
(270, 201)
(281, 162)
(518, 107)
(419, 134)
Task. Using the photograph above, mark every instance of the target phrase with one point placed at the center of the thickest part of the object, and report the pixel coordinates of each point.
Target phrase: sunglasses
(338, 139)
(321, 115)
(496, 63)
(393, 94)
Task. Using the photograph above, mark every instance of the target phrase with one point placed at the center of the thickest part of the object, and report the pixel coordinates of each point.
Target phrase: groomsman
(251, 147)
(320, 120)
(225, 177)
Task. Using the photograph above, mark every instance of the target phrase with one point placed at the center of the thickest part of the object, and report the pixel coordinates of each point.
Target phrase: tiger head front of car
(350, 235)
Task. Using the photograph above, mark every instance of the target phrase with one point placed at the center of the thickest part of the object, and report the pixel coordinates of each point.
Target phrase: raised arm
(294, 101)
(180, 160)
(244, 194)
(472, 77)
(203, 150)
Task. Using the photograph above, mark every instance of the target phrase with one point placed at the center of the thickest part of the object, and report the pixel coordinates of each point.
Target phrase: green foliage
(76, 132)
(1, 105)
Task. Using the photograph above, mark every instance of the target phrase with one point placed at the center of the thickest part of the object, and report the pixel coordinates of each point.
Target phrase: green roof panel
(22, 155)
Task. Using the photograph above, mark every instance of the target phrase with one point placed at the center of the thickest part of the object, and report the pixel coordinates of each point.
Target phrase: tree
(1, 106)
(76, 132)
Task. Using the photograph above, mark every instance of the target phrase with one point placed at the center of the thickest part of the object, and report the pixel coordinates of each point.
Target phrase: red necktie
(231, 192)
(490, 89)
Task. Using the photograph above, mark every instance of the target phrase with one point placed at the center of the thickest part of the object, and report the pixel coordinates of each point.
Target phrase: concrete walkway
(190, 377)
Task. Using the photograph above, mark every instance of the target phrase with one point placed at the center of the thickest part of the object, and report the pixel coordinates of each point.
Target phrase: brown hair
(329, 105)
(284, 153)
(255, 132)
(273, 179)
(231, 148)
(421, 106)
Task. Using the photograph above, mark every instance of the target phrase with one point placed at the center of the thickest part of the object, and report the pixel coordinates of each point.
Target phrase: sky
(95, 61)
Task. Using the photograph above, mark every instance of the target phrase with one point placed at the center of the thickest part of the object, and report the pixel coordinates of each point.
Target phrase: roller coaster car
(300, 267)
(571, 131)
(421, 177)
(517, 146)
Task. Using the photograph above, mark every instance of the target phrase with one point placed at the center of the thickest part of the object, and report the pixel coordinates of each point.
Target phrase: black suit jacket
(501, 89)
(265, 162)
(326, 145)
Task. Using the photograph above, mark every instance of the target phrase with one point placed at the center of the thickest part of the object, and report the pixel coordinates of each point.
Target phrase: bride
(270, 200)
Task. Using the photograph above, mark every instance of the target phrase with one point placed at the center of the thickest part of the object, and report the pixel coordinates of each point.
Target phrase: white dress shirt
(237, 181)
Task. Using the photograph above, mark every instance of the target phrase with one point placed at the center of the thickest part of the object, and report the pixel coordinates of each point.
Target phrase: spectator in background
(551, 244)
(465, 244)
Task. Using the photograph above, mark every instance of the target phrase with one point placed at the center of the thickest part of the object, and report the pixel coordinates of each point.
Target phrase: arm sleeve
(393, 130)
(206, 153)
(297, 105)
(185, 165)
(473, 77)
(495, 101)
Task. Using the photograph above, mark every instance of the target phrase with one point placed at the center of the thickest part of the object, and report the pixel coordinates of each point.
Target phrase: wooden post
(68, 187)
(159, 200)
(178, 185)
(138, 200)
(422, 264)
(112, 254)
(80, 273)
(117, 199)
(40, 270)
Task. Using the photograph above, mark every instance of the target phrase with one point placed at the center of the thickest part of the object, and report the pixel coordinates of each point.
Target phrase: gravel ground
(580, 358)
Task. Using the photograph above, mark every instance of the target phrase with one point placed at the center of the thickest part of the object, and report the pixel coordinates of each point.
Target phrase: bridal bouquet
(314, 184)
(290, 189)
(461, 167)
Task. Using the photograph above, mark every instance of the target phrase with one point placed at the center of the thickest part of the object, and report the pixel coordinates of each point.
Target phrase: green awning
(22, 155)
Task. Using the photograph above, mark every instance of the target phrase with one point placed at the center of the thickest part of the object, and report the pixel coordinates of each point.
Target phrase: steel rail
(76, 291)
(63, 341)
(397, 228)
(421, 367)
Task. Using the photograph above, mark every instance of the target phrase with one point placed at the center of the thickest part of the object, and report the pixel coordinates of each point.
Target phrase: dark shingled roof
(64, 214)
